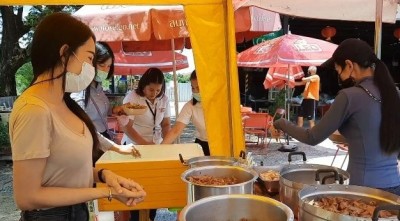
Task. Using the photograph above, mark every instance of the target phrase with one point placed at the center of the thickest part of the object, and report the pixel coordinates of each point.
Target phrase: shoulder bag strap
(98, 111)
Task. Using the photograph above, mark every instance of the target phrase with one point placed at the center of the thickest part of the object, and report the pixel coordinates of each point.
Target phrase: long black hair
(103, 53)
(361, 53)
(52, 33)
(152, 75)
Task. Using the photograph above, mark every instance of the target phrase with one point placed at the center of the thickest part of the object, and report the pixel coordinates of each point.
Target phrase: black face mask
(349, 82)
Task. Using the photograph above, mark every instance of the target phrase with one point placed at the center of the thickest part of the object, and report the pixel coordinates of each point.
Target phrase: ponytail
(390, 117)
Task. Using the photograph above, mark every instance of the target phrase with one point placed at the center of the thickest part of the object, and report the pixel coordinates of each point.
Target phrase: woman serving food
(146, 118)
(146, 114)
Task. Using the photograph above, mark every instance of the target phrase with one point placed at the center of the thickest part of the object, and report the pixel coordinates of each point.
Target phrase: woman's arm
(106, 144)
(300, 83)
(174, 133)
(165, 126)
(29, 193)
(311, 78)
(329, 123)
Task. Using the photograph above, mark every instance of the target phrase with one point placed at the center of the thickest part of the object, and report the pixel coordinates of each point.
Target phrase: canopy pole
(378, 28)
(176, 97)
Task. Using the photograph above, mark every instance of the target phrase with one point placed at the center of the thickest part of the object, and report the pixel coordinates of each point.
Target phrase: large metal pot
(245, 177)
(236, 207)
(295, 177)
(212, 160)
(312, 213)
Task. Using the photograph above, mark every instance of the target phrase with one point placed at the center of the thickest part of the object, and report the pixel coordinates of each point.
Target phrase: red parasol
(284, 56)
(133, 63)
(252, 22)
(149, 28)
(285, 50)
(277, 76)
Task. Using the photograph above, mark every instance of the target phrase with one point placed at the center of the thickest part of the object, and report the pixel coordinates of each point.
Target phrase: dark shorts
(78, 212)
(307, 109)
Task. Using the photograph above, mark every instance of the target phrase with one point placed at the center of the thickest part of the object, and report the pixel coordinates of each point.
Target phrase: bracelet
(100, 175)
(109, 198)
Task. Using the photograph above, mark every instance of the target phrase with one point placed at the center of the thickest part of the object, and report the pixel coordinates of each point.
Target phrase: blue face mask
(197, 96)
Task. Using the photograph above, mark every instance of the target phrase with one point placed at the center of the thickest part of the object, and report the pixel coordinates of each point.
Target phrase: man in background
(310, 97)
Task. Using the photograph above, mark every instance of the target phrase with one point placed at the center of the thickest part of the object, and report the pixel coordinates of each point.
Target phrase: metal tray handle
(242, 155)
(182, 160)
(297, 153)
(317, 175)
(341, 178)
(375, 215)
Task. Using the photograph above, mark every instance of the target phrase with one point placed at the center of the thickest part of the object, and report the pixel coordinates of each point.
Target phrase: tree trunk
(12, 56)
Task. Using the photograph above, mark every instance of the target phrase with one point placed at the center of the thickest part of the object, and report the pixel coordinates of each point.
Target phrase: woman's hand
(125, 190)
(118, 110)
(128, 149)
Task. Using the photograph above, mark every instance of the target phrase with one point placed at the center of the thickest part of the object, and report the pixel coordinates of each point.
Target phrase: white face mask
(197, 96)
(101, 76)
(79, 82)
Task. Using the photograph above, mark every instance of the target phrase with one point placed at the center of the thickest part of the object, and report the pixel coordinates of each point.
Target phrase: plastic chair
(344, 148)
(262, 102)
(275, 134)
(257, 124)
(279, 113)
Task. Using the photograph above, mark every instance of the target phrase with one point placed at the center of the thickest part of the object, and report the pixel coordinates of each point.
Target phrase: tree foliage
(23, 77)
(182, 78)
(15, 28)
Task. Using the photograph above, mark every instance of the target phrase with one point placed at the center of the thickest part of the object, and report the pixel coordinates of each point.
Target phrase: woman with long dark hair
(366, 113)
(95, 102)
(52, 138)
(93, 99)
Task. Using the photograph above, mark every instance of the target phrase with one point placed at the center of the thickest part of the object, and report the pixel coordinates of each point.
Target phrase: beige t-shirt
(36, 132)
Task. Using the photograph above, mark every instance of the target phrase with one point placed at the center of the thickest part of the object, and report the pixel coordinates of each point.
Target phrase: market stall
(211, 26)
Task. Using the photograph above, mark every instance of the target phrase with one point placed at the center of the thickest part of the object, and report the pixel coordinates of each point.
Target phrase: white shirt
(196, 115)
(144, 124)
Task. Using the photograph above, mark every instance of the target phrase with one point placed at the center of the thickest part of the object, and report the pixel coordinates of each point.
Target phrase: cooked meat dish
(135, 106)
(349, 207)
(212, 180)
(270, 175)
